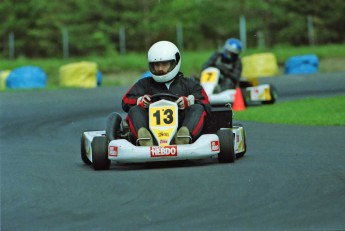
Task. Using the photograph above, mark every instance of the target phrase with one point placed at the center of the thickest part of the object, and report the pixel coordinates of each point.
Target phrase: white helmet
(164, 51)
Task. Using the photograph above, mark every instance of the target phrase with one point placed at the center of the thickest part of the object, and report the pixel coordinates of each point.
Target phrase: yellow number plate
(163, 116)
(208, 77)
(163, 123)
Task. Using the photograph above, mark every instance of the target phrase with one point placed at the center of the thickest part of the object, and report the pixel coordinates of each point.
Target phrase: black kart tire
(246, 97)
(83, 151)
(226, 144)
(113, 126)
(99, 147)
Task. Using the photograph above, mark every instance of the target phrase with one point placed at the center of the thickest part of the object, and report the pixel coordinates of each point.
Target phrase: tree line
(38, 28)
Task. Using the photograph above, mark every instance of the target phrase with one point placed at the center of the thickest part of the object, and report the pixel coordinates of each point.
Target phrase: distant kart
(253, 95)
(220, 138)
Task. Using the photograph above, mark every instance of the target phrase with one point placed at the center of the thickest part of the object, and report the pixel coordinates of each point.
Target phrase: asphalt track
(291, 178)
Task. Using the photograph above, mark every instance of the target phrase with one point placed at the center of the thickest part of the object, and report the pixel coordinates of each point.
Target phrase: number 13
(167, 118)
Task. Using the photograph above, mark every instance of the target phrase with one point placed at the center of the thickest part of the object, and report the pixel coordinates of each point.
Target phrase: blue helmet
(232, 46)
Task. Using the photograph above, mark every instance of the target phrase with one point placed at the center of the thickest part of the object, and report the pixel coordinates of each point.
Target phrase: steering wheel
(166, 96)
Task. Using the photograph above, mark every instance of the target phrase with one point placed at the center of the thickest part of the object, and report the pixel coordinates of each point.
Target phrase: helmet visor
(162, 67)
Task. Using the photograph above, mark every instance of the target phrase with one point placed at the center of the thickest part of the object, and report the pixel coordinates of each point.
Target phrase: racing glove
(183, 102)
(144, 101)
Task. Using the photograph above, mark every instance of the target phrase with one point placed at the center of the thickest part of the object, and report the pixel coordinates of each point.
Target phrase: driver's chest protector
(179, 86)
(221, 64)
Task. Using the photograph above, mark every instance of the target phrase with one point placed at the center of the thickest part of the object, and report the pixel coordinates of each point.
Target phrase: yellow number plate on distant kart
(208, 76)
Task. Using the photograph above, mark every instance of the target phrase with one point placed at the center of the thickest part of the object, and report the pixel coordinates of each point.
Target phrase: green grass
(311, 111)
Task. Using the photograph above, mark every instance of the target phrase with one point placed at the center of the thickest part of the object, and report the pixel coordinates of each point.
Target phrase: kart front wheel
(99, 147)
(226, 143)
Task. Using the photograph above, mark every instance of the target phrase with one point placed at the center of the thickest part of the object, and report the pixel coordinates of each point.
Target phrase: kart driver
(164, 62)
(228, 62)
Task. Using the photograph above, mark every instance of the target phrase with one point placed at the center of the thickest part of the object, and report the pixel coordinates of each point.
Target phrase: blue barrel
(304, 64)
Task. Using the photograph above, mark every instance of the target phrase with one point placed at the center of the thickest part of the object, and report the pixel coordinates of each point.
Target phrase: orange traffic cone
(238, 104)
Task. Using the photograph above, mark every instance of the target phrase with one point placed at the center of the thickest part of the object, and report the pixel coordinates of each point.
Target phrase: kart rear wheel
(99, 147)
(83, 150)
(113, 126)
(246, 96)
(226, 143)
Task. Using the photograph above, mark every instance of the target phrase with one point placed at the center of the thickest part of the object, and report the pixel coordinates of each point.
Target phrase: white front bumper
(123, 151)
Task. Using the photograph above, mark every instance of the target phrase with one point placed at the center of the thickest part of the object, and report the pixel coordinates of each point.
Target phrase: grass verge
(329, 111)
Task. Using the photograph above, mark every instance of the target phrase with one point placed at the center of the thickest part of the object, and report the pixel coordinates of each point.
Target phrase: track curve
(292, 177)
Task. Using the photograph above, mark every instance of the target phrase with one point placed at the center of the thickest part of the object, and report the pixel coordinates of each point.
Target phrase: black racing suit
(192, 117)
(230, 69)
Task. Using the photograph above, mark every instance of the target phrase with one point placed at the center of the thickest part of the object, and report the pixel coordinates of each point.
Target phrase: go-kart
(219, 139)
(253, 94)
